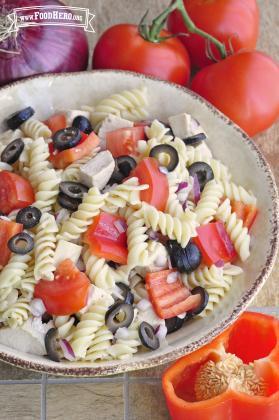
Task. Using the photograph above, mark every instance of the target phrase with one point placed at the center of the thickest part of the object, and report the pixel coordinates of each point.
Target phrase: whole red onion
(41, 49)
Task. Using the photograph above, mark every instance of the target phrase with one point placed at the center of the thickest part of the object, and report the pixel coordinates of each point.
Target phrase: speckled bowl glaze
(228, 143)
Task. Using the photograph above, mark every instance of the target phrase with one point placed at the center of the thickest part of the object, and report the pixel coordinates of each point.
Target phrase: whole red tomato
(235, 20)
(245, 87)
(122, 47)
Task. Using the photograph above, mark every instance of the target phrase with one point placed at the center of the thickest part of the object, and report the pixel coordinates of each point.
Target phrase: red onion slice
(219, 264)
(143, 305)
(181, 186)
(196, 189)
(153, 235)
(120, 225)
(161, 332)
(67, 350)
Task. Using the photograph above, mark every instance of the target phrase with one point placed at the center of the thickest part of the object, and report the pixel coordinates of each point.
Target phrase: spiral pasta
(79, 221)
(14, 271)
(179, 229)
(65, 326)
(238, 193)
(124, 348)
(209, 202)
(28, 281)
(8, 296)
(44, 249)
(136, 240)
(72, 172)
(44, 179)
(234, 226)
(127, 193)
(100, 345)
(86, 329)
(130, 104)
(16, 314)
(34, 128)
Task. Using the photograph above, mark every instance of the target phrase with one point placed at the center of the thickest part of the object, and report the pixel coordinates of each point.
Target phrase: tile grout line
(20, 382)
(43, 396)
(84, 380)
(126, 396)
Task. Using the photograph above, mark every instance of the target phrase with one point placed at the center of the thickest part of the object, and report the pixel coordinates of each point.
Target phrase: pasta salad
(115, 230)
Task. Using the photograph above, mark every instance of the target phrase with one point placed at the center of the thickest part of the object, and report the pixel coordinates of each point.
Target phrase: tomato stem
(152, 33)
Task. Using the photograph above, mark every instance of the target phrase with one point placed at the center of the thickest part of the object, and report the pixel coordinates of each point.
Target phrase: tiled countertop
(135, 396)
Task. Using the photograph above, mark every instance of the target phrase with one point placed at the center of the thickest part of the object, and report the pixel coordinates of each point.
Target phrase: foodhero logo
(51, 15)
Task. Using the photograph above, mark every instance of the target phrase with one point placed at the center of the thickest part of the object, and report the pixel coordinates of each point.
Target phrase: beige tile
(155, 372)
(85, 402)
(8, 372)
(20, 402)
(146, 402)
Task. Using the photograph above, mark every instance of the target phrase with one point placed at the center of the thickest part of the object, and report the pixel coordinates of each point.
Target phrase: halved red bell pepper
(7, 230)
(214, 243)
(246, 212)
(169, 299)
(253, 338)
(107, 238)
(124, 140)
(61, 160)
(147, 172)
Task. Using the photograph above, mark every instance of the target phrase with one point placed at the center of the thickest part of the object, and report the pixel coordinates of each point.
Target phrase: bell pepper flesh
(254, 338)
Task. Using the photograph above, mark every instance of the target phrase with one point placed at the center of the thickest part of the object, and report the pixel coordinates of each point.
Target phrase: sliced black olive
(12, 152)
(116, 177)
(66, 138)
(68, 202)
(16, 119)
(21, 243)
(185, 259)
(119, 315)
(165, 149)
(174, 324)
(29, 217)
(52, 344)
(46, 317)
(204, 301)
(195, 140)
(203, 171)
(128, 296)
(112, 264)
(147, 336)
(125, 164)
(83, 124)
(73, 189)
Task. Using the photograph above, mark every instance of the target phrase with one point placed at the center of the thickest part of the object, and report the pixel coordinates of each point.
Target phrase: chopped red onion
(120, 225)
(219, 264)
(196, 189)
(163, 170)
(181, 316)
(161, 261)
(80, 265)
(67, 350)
(122, 333)
(37, 307)
(5, 218)
(143, 305)
(62, 215)
(181, 186)
(152, 235)
(172, 277)
(161, 332)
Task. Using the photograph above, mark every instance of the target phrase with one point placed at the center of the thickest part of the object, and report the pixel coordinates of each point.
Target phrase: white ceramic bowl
(228, 143)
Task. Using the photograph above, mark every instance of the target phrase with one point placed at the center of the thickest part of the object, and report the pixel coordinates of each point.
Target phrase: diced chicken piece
(72, 114)
(66, 250)
(111, 123)
(22, 340)
(184, 125)
(98, 170)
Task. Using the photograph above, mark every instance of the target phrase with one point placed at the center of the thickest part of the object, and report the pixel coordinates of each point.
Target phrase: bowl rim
(130, 365)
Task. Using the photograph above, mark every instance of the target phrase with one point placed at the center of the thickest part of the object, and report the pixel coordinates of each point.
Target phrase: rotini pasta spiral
(124, 348)
(8, 296)
(72, 172)
(209, 202)
(65, 326)
(16, 314)
(179, 229)
(28, 281)
(129, 104)
(100, 345)
(86, 329)
(238, 193)
(34, 128)
(44, 249)
(127, 193)
(234, 226)
(44, 179)
(14, 271)
(79, 221)
(136, 240)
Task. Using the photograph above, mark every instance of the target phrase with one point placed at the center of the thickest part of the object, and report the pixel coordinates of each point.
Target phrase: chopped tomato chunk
(107, 238)
(61, 160)
(124, 140)
(147, 172)
(16, 192)
(67, 293)
(56, 122)
(214, 243)
(169, 299)
(8, 229)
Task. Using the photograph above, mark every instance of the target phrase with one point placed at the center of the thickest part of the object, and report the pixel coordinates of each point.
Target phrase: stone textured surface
(20, 402)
